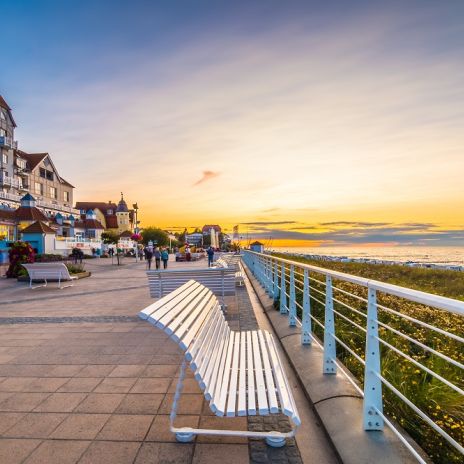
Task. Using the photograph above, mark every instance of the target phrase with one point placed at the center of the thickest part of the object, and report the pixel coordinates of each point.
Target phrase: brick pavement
(87, 382)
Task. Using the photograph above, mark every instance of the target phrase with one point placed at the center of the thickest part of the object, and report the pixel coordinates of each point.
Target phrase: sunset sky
(314, 123)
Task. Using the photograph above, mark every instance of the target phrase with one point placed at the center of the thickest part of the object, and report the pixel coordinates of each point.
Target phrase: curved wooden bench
(48, 271)
(240, 372)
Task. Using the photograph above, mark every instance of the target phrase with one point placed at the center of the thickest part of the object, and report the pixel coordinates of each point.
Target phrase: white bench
(49, 271)
(239, 278)
(221, 281)
(240, 373)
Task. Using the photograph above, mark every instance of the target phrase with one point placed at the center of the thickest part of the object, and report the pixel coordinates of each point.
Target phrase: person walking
(210, 253)
(188, 256)
(165, 257)
(157, 255)
(148, 256)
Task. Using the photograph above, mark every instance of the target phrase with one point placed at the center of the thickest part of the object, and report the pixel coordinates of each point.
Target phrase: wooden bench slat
(220, 395)
(189, 328)
(174, 319)
(232, 399)
(270, 386)
(241, 405)
(218, 362)
(171, 300)
(251, 399)
(260, 384)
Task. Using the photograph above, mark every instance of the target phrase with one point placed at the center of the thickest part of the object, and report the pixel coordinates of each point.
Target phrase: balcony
(8, 142)
(8, 181)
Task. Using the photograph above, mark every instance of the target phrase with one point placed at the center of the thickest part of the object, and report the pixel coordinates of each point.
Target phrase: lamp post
(136, 231)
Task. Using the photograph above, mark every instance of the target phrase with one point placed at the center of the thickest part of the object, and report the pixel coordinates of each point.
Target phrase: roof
(122, 207)
(257, 243)
(5, 106)
(38, 227)
(111, 222)
(26, 213)
(88, 224)
(7, 214)
(28, 197)
(65, 182)
(33, 159)
(102, 206)
(126, 233)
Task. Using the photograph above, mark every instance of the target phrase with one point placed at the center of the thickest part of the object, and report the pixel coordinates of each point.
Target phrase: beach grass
(441, 403)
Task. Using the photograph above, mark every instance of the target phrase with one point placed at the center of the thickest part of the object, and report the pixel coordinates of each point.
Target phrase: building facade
(34, 173)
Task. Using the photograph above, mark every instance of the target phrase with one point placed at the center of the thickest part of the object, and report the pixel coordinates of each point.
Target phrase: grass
(441, 403)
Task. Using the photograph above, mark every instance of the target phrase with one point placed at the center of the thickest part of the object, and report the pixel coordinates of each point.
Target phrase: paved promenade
(83, 380)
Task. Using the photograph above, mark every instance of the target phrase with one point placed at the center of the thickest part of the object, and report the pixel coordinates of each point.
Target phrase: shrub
(48, 258)
(75, 268)
(19, 253)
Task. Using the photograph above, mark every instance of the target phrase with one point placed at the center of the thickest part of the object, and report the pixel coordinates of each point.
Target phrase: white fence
(360, 303)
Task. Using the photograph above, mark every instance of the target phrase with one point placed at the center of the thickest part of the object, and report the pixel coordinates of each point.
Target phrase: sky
(313, 123)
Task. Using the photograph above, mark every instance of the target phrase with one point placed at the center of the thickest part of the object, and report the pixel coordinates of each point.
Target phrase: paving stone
(14, 451)
(58, 452)
(140, 403)
(35, 425)
(168, 370)
(23, 401)
(225, 454)
(100, 402)
(8, 419)
(60, 402)
(151, 385)
(96, 371)
(80, 385)
(115, 385)
(108, 452)
(223, 423)
(188, 404)
(128, 370)
(165, 453)
(80, 426)
(160, 432)
(125, 427)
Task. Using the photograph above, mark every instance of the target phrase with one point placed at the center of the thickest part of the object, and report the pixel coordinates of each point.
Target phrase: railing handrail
(429, 299)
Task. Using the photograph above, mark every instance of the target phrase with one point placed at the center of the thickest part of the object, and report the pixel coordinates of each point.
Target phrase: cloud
(267, 223)
(354, 224)
(207, 175)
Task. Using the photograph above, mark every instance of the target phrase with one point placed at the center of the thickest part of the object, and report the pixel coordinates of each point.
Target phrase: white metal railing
(283, 279)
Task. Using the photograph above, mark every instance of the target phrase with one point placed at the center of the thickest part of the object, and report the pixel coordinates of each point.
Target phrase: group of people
(159, 255)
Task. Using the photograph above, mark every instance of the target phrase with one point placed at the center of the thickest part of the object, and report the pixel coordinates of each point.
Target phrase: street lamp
(136, 229)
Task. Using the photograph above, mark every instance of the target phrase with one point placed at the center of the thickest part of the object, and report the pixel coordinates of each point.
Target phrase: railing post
(306, 316)
(268, 276)
(283, 291)
(372, 383)
(330, 352)
(292, 305)
(276, 281)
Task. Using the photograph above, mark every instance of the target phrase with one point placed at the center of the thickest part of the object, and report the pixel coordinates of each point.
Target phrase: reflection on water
(418, 254)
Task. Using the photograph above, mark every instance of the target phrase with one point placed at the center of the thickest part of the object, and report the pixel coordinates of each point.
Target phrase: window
(21, 163)
(4, 158)
(53, 192)
(2, 133)
(66, 196)
(49, 175)
(38, 188)
(109, 212)
(42, 172)
(46, 174)
(2, 115)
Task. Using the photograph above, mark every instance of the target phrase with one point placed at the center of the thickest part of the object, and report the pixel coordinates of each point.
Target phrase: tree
(158, 236)
(110, 237)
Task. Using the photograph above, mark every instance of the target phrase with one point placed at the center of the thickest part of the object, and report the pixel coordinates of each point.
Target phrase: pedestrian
(157, 255)
(188, 256)
(210, 253)
(148, 256)
(165, 257)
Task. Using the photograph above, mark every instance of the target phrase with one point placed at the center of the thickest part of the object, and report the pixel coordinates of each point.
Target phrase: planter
(80, 275)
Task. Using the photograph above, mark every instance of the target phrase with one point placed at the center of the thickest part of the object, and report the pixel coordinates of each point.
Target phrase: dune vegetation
(443, 404)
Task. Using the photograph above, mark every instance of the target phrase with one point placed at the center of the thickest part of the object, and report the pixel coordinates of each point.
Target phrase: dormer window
(109, 212)
(2, 115)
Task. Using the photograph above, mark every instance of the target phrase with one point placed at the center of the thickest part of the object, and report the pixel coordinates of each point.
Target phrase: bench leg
(187, 434)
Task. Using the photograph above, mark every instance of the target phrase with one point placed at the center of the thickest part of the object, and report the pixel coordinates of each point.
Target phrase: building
(32, 173)
(116, 218)
(196, 238)
(258, 247)
(206, 230)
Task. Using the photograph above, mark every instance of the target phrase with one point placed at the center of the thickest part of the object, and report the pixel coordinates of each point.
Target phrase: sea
(447, 256)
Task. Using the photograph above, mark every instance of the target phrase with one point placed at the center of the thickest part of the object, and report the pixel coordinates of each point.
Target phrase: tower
(122, 215)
